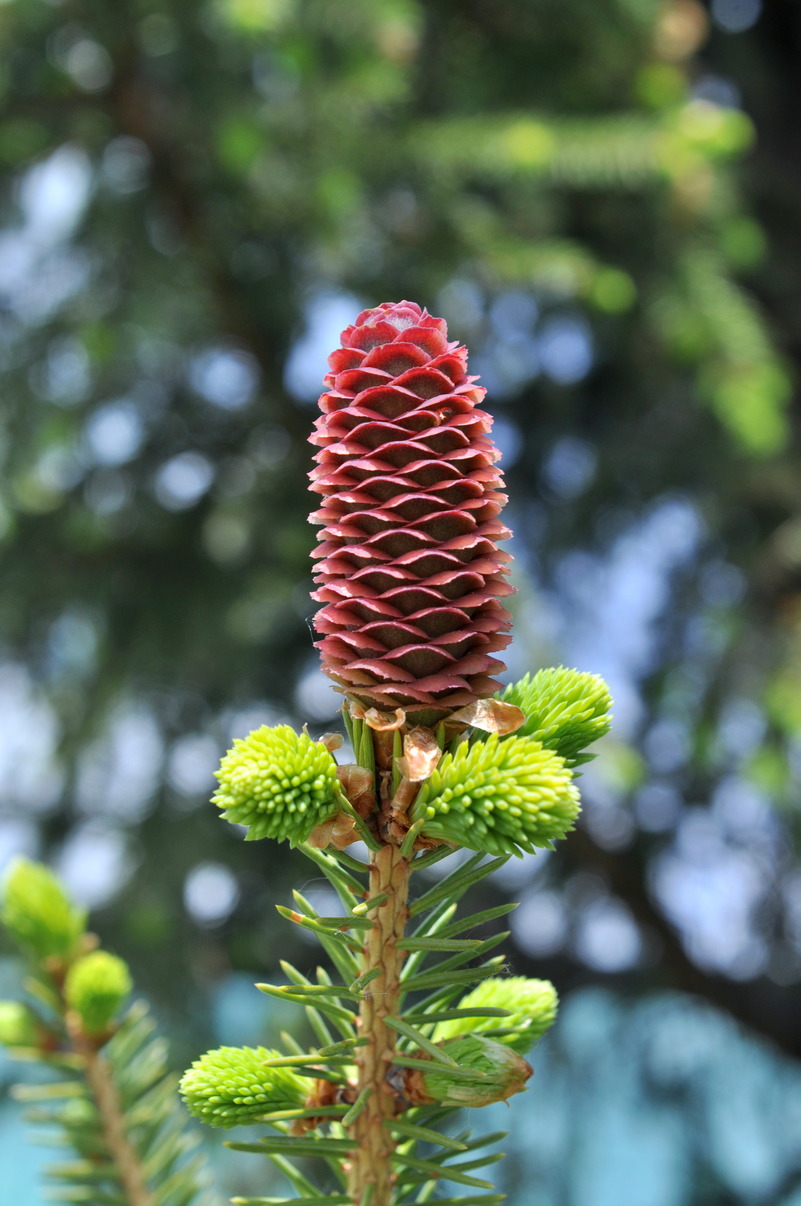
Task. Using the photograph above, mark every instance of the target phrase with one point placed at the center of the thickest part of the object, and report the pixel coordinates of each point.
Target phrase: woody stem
(112, 1120)
(370, 1177)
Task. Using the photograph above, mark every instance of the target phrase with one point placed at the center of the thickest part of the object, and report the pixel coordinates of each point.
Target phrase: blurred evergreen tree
(190, 190)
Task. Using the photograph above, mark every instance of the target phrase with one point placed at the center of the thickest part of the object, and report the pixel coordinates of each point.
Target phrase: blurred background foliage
(602, 199)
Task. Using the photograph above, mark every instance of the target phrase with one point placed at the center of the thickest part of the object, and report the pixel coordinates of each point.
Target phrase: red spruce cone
(409, 572)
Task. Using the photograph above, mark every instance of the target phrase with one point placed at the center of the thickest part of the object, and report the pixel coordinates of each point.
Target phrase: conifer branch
(112, 1121)
(115, 1102)
(441, 764)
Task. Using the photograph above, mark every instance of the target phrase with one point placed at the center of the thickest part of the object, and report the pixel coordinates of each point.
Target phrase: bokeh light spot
(210, 893)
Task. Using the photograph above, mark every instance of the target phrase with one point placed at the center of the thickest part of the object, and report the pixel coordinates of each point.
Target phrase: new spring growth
(17, 1025)
(95, 988)
(279, 783)
(500, 797)
(531, 1006)
(231, 1086)
(500, 1073)
(38, 913)
(565, 709)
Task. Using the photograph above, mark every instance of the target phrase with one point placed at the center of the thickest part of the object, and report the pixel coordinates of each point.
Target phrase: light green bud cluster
(532, 1006)
(498, 796)
(17, 1025)
(231, 1086)
(279, 783)
(565, 709)
(502, 1073)
(38, 913)
(95, 988)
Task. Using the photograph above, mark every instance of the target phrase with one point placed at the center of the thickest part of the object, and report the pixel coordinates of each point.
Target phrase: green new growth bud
(565, 709)
(532, 1006)
(95, 988)
(279, 783)
(501, 1073)
(231, 1086)
(17, 1025)
(38, 913)
(498, 796)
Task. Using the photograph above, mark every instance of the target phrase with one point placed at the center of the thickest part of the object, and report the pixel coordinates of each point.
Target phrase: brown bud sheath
(409, 571)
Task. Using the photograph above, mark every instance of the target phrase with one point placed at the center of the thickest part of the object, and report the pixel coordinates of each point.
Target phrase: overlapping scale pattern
(409, 571)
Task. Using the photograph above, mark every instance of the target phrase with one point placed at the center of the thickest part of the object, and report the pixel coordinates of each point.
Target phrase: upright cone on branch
(409, 570)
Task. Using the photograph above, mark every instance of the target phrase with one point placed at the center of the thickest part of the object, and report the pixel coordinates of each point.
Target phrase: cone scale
(409, 572)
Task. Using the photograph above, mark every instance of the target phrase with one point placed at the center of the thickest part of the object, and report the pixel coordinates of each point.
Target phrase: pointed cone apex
(409, 571)
(499, 797)
(231, 1086)
(279, 783)
(500, 1072)
(532, 1006)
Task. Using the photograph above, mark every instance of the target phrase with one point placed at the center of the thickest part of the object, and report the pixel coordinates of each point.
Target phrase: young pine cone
(409, 573)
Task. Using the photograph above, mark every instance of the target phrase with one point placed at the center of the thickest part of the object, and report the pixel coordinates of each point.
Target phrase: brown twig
(112, 1119)
(371, 1162)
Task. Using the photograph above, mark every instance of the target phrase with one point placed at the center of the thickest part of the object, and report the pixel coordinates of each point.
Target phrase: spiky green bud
(501, 1072)
(95, 988)
(279, 783)
(17, 1025)
(565, 709)
(532, 1006)
(231, 1086)
(38, 913)
(499, 797)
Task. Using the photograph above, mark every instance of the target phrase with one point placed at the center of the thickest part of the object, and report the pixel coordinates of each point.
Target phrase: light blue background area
(657, 1102)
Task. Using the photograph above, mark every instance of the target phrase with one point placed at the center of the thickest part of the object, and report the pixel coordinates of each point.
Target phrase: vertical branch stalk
(112, 1120)
(371, 1162)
